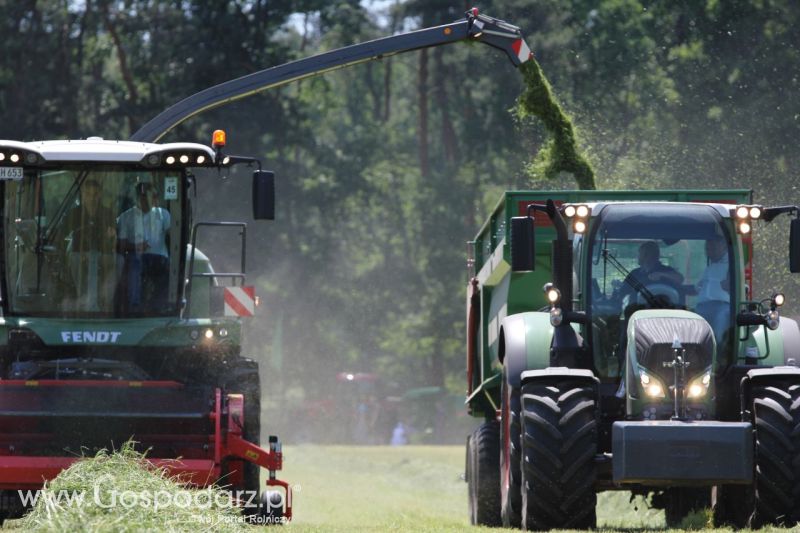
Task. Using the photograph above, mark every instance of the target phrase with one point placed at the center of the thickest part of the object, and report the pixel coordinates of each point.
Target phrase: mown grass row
(337, 488)
(121, 492)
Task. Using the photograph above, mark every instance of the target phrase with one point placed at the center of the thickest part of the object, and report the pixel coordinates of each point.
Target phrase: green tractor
(614, 342)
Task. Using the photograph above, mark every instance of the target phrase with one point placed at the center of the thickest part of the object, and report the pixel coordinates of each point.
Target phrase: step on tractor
(115, 326)
(615, 341)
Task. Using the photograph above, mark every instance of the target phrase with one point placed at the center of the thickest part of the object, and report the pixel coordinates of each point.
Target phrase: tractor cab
(662, 256)
(100, 229)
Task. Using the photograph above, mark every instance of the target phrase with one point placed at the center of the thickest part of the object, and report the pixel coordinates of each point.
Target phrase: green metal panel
(155, 332)
(768, 344)
(538, 337)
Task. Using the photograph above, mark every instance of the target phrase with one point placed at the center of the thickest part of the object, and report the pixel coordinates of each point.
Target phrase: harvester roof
(94, 149)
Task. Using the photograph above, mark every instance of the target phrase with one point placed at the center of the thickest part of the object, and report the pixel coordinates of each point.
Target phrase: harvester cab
(115, 326)
(643, 360)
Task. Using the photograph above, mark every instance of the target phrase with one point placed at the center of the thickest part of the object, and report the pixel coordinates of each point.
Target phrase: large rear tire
(559, 442)
(776, 417)
(510, 456)
(242, 378)
(484, 475)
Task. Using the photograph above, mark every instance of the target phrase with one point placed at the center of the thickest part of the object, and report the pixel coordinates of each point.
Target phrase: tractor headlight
(652, 386)
(698, 387)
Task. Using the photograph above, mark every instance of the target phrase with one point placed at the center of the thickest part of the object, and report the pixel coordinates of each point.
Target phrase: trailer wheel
(776, 416)
(242, 378)
(732, 505)
(510, 456)
(484, 475)
(559, 445)
(680, 502)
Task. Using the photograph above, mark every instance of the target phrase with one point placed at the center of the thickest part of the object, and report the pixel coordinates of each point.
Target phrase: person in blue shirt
(142, 240)
(713, 288)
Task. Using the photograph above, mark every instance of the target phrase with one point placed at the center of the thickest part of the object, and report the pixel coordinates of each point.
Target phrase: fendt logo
(103, 337)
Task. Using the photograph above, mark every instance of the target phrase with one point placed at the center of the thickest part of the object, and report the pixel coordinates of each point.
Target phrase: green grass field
(412, 488)
(336, 488)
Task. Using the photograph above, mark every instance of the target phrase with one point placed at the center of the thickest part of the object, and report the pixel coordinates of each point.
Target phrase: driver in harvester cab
(650, 271)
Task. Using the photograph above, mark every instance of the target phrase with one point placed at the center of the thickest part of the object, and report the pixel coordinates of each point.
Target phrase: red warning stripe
(520, 48)
(240, 301)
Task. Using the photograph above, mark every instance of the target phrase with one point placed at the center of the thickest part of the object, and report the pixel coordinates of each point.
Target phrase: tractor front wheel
(776, 417)
(483, 475)
(510, 456)
(559, 443)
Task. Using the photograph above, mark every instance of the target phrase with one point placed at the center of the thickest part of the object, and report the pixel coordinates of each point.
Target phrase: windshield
(657, 256)
(93, 241)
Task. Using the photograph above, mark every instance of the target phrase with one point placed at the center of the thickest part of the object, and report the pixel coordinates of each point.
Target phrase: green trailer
(614, 341)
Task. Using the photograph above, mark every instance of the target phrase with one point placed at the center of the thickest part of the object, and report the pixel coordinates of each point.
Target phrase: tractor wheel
(680, 502)
(559, 442)
(776, 416)
(484, 475)
(271, 508)
(510, 456)
(732, 505)
(242, 378)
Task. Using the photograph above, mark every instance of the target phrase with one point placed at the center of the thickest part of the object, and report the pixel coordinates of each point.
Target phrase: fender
(789, 374)
(560, 372)
(525, 341)
(786, 336)
(791, 341)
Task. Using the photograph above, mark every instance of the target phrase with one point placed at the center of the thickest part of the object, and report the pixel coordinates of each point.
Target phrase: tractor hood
(651, 334)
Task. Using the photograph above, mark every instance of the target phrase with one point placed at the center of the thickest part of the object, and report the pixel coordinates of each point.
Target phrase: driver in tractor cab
(142, 234)
(713, 288)
(651, 270)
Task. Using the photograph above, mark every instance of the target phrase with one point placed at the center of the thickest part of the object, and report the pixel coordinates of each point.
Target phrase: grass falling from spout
(561, 152)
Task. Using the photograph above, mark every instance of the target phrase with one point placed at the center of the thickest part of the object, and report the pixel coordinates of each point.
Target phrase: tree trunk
(449, 139)
(127, 76)
(422, 128)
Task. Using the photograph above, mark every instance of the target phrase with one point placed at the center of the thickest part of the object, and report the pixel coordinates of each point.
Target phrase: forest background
(385, 170)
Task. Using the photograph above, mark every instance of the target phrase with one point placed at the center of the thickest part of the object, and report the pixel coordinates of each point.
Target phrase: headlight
(652, 386)
(698, 387)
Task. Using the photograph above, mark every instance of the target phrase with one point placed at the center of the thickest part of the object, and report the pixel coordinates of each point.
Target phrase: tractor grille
(654, 337)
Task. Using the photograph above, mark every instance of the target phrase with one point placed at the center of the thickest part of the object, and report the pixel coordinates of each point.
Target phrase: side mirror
(794, 246)
(264, 195)
(523, 245)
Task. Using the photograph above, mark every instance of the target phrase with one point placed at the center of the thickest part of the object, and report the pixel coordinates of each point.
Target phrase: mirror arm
(749, 318)
(235, 159)
(577, 317)
(770, 213)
